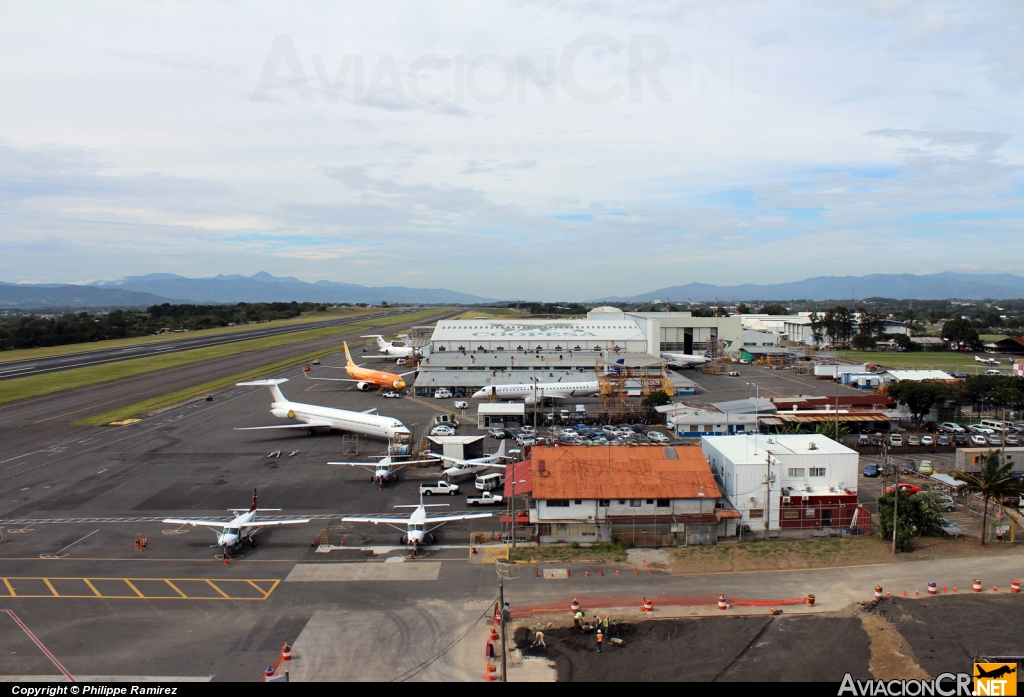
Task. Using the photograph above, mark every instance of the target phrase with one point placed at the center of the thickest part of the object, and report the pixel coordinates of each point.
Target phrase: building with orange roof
(649, 496)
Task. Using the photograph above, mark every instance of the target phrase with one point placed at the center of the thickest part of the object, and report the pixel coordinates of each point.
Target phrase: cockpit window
(229, 531)
(416, 528)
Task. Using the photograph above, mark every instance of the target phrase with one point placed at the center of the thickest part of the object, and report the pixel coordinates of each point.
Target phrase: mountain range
(260, 287)
(939, 286)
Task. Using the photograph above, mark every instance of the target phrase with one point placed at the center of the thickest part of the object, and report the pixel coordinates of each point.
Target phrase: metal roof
(746, 406)
(621, 473)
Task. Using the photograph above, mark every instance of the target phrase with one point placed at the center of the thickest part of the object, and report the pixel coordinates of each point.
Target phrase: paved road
(37, 366)
(36, 424)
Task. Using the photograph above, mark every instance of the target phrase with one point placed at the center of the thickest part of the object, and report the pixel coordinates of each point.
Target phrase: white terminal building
(465, 355)
(813, 480)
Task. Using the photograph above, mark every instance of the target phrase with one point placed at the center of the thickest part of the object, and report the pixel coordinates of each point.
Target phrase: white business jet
(312, 417)
(543, 390)
(386, 469)
(390, 349)
(416, 524)
(987, 361)
(230, 534)
(458, 468)
(683, 360)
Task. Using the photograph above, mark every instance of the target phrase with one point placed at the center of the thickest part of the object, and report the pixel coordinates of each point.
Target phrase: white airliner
(386, 469)
(388, 348)
(543, 390)
(683, 360)
(987, 361)
(230, 534)
(312, 417)
(465, 468)
(415, 525)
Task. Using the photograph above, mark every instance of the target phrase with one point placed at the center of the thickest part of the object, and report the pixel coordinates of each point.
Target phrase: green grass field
(923, 360)
(48, 383)
(489, 314)
(22, 354)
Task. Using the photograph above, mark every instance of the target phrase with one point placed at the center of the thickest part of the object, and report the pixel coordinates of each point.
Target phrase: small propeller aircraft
(986, 361)
(386, 469)
(365, 378)
(417, 526)
(464, 468)
(230, 534)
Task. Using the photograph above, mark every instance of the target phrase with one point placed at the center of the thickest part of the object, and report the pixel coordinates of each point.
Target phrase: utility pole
(768, 497)
(895, 506)
(501, 614)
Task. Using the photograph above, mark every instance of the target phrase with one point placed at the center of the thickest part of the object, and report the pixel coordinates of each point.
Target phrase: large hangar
(593, 334)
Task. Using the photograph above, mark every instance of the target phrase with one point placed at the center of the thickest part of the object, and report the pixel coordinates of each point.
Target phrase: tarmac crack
(743, 653)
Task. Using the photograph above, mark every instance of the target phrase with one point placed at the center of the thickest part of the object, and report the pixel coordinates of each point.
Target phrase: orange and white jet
(365, 378)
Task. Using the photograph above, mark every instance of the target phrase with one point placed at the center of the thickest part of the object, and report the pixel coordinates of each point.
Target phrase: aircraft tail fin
(272, 384)
(254, 505)
(348, 356)
(501, 450)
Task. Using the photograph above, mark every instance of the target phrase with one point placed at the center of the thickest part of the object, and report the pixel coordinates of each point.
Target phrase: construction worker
(538, 639)
(606, 625)
(600, 639)
(577, 620)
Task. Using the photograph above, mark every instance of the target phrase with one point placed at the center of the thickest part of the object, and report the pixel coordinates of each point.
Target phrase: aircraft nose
(399, 384)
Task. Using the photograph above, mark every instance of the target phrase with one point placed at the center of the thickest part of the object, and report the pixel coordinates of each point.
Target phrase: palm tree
(992, 481)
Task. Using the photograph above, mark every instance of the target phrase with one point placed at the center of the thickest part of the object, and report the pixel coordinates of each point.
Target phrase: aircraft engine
(365, 386)
(281, 413)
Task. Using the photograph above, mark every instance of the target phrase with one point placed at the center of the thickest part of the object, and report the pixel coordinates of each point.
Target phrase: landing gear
(252, 542)
(433, 540)
(311, 431)
(403, 540)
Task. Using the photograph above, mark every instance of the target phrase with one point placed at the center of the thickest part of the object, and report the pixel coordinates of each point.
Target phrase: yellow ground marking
(181, 595)
(126, 422)
(214, 587)
(176, 589)
(494, 553)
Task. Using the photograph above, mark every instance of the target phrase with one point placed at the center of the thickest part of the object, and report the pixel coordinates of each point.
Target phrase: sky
(562, 150)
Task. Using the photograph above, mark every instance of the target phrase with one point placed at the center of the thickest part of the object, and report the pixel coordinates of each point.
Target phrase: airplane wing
(374, 519)
(207, 523)
(332, 379)
(367, 465)
(262, 523)
(260, 428)
(411, 372)
(457, 516)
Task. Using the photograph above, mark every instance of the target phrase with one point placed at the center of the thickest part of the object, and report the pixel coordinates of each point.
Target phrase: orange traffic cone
(616, 572)
(586, 574)
(537, 573)
(226, 559)
(650, 570)
(602, 571)
(636, 570)
(904, 594)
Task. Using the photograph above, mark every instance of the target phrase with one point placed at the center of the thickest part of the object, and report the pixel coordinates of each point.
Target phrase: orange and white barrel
(933, 588)
(648, 605)
(977, 586)
(286, 652)
(574, 605)
(1015, 586)
(878, 592)
(723, 604)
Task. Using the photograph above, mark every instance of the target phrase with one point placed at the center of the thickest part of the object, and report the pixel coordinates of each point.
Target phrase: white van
(443, 393)
(489, 482)
(997, 426)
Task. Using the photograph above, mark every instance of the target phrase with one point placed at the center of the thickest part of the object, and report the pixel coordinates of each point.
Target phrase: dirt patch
(761, 555)
(713, 648)
(892, 658)
(946, 632)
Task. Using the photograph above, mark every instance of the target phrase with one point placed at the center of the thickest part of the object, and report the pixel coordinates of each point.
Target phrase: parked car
(391, 394)
(905, 488)
(942, 441)
(943, 501)
(657, 437)
(490, 481)
(927, 441)
(461, 404)
(872, 470)
(995, 439)
(640, 438)
(609, 429)
(933, 427)
(485, 499)
(1012, 439)
(640, 428)
(895, 440)
(442, 430)
(498, 433)
(442, 487)
(978, 439)
(975, 428)
(443, 393)
(926, 468)
(913, 440)
(863, 440)
(529, 430)
(524, 440)
(952, 427)
(950, 529)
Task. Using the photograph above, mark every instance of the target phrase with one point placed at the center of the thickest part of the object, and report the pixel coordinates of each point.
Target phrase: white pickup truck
(486, 499)
(442, 487)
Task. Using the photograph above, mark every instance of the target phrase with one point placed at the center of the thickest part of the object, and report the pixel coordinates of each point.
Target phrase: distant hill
(24, 296)
(263, 287)
(940, 286)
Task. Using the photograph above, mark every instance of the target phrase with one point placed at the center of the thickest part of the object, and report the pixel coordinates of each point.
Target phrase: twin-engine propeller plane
(389, 349)
(232, 533)
(418, 526)
(386, 469)
(365, 378)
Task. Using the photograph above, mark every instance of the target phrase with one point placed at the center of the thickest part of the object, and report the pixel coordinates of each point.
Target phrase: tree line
(82, 327)
(992, 391)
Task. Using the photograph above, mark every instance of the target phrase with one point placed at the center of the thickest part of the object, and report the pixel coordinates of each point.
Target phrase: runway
(38, 366)
(40, 423)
